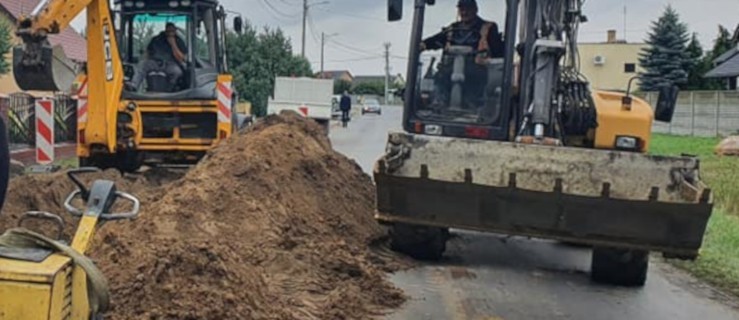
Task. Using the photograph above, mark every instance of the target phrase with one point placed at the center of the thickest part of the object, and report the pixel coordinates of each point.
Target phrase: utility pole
(324, 36)
(305, 19)
(387, 72)
(323, 44)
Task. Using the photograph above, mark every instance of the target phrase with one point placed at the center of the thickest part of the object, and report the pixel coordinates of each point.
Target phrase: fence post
(692, 111)
(669, 129)
(718, 113)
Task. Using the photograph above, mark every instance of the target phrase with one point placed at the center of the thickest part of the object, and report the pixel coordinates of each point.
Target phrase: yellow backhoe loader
(507, 136)
(155, 88)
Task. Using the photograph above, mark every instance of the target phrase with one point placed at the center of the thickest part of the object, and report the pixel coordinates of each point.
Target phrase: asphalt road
(488, 277)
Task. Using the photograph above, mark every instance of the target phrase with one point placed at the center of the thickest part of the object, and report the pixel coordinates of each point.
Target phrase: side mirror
(666, 103)
(239, 25)
(394, 10)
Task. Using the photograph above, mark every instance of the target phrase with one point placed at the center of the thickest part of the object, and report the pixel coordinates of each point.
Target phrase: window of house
(630, 68)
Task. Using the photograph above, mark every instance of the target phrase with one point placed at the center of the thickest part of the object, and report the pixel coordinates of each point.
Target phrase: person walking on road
(346, 106)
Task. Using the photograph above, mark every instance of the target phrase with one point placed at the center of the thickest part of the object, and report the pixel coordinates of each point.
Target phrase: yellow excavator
(155, 88)
(507, 136)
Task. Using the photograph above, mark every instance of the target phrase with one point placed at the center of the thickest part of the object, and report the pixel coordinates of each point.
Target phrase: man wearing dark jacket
(470, 30)
(345, 105)
(166, 52)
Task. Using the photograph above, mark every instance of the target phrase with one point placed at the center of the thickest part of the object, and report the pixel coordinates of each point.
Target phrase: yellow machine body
(54, 289)
(177, 144)
(618, 120)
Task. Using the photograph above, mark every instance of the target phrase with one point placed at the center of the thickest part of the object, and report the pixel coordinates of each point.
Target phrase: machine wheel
(128, 161)
(621, 267)
(422, 243)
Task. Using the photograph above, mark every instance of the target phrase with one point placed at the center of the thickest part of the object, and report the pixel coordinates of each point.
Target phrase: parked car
(371, 106)
(335, 109)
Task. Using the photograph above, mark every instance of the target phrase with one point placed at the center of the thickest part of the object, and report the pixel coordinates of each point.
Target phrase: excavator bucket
(597, 197)
(41, 67)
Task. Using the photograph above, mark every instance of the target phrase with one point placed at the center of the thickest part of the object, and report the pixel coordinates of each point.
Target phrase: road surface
(490, 277)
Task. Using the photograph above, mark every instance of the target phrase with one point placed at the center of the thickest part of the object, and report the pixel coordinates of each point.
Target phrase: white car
(371, 106)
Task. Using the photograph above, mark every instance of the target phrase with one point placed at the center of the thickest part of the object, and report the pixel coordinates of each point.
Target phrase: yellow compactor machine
(43, 278)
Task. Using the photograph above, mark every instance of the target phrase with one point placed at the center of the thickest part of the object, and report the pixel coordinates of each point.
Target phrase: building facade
(610, 65)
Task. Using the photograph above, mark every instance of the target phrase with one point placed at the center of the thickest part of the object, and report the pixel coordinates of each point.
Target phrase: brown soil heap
(272, 224)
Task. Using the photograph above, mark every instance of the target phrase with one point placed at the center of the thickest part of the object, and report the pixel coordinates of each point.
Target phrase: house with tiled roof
(75, 46)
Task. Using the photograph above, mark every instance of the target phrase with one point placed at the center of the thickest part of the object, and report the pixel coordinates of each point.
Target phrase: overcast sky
(359, 27)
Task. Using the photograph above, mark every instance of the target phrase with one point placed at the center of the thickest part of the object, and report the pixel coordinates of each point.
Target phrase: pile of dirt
(272, 224)
(728, 147)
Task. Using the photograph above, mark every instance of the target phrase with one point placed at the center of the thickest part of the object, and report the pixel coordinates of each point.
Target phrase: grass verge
(719, 260)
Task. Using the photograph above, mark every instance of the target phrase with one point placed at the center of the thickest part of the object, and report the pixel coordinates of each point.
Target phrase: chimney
(612, 36)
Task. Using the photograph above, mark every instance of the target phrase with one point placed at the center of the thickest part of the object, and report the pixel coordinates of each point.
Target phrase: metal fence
(702, 114)
(19, 110)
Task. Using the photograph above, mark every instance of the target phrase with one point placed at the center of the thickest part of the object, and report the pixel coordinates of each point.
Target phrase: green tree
(256, 59)
(342, 85)
(6, 43)
(700, 65)
(666, 60)
(722, 43)
(373, 88)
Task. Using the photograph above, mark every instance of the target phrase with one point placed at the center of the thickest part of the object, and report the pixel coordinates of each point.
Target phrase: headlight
(628, 143)
(432, 129)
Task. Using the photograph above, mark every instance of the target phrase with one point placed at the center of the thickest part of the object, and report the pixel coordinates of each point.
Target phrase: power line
(267, 7)
(368, 58)
(278, 11)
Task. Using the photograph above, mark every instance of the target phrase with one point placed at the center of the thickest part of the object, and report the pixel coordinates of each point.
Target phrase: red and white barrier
(225, 94)
(82, 103)
(44, 131)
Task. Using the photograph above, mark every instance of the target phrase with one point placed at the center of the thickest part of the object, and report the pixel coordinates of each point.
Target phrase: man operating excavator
(484, 40)
(166, 54)
(470, 30)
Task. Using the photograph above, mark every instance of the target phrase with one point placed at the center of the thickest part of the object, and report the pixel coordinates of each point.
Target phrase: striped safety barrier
(44, 131)
(225, 94)
(82, 103)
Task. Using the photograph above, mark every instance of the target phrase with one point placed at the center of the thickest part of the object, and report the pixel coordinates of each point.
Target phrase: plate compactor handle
(41, 215)
(99, 198)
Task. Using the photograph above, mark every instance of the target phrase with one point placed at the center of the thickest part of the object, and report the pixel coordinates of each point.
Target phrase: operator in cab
(166, 53)
(470, 30)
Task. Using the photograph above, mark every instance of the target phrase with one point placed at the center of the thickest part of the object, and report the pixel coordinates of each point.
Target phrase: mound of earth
(272, 224)
(728, 147)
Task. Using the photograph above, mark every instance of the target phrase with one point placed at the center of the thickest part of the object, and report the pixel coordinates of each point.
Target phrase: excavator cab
(150, 69)
(506, 135)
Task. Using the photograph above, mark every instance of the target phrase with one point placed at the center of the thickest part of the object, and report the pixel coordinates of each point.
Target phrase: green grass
(68, 163)
(719, 260)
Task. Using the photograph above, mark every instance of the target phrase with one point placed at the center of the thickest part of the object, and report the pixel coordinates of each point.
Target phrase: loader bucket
(41, 67)
(597, 197)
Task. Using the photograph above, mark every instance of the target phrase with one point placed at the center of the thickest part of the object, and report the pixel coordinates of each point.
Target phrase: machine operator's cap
(467, 4)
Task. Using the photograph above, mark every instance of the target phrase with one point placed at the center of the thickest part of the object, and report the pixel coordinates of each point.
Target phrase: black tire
(422, 243)
(620, 267)
(128, 161)
(4, 162)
